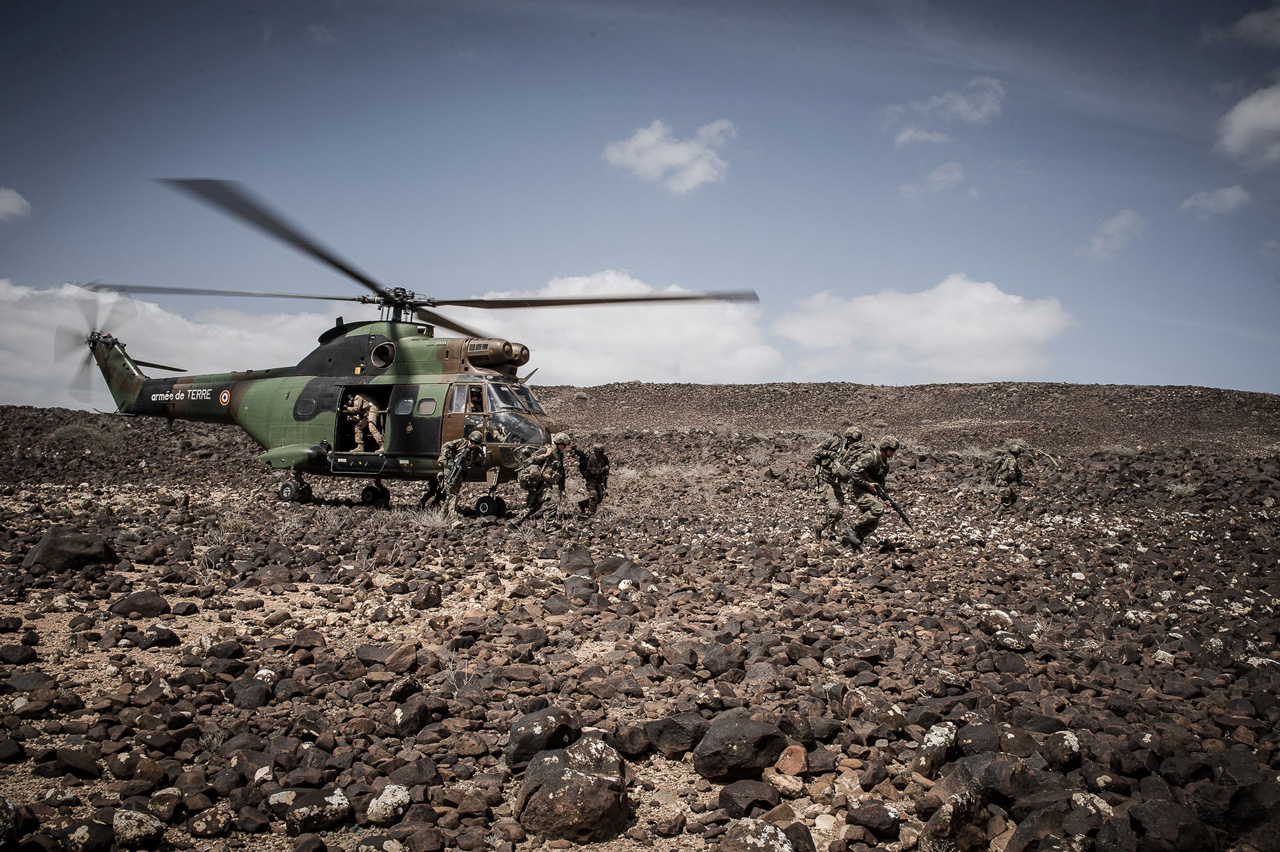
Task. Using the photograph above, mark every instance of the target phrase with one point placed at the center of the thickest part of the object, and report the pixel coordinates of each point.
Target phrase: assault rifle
(884, 495)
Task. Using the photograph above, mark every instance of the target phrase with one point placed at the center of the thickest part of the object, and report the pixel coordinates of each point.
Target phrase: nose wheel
(491, 506)
(295, 491)
(375, 495)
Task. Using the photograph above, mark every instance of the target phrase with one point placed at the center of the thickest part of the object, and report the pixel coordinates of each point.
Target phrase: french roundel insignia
(225, 397)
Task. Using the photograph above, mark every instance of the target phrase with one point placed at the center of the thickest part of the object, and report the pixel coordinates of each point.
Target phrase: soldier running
(594, 467)
(866, 478)
(831, 460)
(541, 472)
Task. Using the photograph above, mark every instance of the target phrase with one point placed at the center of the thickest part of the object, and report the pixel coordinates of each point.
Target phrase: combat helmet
(888, 442)
(476, 438)
(853, 433)
(597, 448)
(1014, 447)
(562, 438)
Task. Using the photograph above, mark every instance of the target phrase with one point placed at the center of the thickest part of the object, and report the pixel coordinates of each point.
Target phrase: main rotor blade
(236, 201)
(433, 318)
(201, 291)
(565, 301)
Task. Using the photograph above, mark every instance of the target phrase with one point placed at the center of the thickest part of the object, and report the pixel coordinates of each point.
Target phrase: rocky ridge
(187, 663)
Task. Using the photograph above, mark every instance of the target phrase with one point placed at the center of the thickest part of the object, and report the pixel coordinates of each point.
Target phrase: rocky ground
(187, 663)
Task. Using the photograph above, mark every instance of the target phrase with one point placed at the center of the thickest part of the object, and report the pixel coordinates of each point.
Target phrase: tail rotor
(103, 312)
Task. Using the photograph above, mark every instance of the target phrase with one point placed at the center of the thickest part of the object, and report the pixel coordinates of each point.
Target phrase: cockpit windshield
(527, 398)
(501, 398)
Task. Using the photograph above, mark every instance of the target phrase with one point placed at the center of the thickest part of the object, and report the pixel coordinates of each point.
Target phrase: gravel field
(186, 663)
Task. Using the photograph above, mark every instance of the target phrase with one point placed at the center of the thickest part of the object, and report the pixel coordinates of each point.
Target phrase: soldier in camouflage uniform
(866, 479)
(364, 415)
(456, 458)
(1007, 473)
(541, 472)
(831, 461)
(594, 467)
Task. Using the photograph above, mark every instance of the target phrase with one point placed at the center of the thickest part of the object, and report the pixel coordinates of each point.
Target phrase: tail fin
(124, 376)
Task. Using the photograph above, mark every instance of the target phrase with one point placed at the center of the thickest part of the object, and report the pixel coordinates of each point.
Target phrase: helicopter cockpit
(506, 413)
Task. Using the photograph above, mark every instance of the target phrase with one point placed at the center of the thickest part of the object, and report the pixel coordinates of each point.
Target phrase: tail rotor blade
(67, 342)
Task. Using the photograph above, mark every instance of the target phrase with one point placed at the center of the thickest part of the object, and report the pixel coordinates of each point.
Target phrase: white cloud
(960, 330)
(978, 105)
(911, 134)
(680, 165)
(13, 205)
(944, 177)
(1114, 235)
(1250, 131)
(1206, 204)
(1260, 27)
(684, 342)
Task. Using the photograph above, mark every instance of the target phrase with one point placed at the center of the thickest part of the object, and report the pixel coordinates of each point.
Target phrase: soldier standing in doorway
(364, 414)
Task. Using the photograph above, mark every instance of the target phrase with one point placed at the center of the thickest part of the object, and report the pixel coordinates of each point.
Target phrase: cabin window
(404, 406)
(305, 407)
(426, 407)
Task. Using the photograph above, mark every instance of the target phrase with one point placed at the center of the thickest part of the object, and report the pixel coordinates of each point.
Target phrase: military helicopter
(427, 390)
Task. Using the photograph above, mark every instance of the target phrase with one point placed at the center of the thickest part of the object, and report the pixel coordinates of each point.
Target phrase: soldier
(456, 458)
(866, 477)
(1007, 473)
(364, 414)
(831, 461)
(540, 473)
(594, 467)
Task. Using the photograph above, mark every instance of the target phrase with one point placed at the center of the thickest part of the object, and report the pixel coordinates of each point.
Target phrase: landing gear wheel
(290, 491)
(490, 506)
(371, 495)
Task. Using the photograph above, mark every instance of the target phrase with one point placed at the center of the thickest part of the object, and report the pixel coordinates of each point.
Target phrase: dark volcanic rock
(61, 549)
(577, 793)
(737, 746)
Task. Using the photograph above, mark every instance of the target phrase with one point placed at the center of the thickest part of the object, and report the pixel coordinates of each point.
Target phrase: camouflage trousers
(832, 496)
(452, 495)
(595, 496)
(367, 424)
(1007, 494)
(536, 504)
(870, 509)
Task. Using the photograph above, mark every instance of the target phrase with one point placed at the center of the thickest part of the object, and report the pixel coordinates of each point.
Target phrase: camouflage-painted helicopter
(427, 390)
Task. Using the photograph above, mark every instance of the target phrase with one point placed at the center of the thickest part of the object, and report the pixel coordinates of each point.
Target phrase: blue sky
(968, 191)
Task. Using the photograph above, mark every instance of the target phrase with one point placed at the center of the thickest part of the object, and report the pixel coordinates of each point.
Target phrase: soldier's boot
(852, 541)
